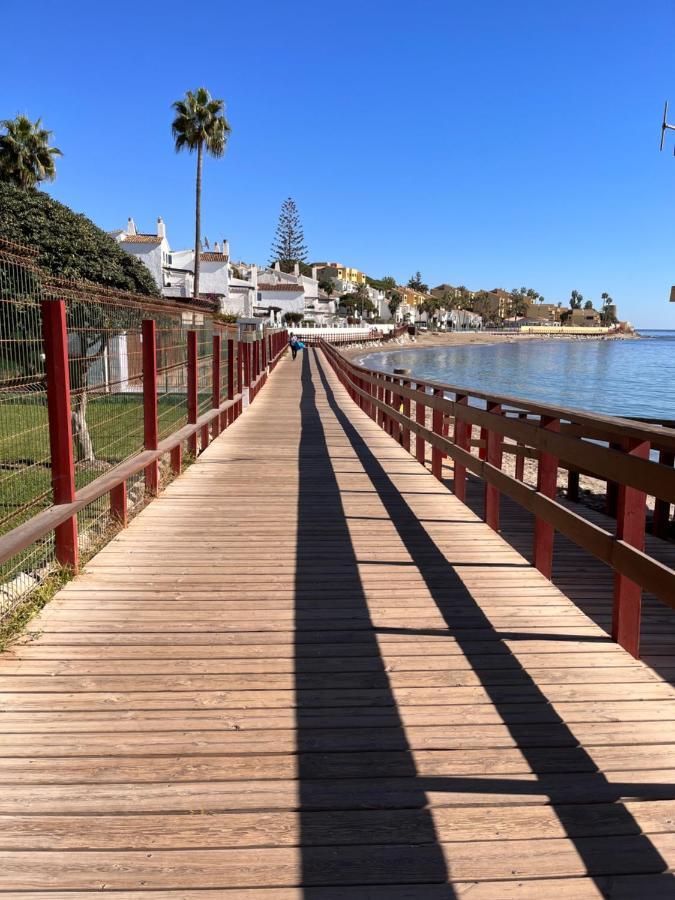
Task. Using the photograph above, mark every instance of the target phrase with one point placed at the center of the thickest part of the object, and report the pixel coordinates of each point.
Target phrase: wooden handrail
(630, 468)
(63, 514)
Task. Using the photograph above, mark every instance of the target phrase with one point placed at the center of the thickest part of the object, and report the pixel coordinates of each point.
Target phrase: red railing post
(547, 484)
(630, 528)
(150, 428)
(55, 340)
(493, 456)
(240, 371)
(230, 374)
(462, 438)
(437, 427)
(192, 398)
(421, 419)
(215, 382)
(118, 504)
(177, 459)
(405, 433)
(246, 351)
(380, 396)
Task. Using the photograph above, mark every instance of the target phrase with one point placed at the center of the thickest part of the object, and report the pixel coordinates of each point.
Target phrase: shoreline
(432, 339)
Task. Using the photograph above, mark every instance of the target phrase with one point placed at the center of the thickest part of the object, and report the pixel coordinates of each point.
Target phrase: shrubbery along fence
(99, 392)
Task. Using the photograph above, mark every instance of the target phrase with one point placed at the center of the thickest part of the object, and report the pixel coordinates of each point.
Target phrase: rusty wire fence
(105, 361)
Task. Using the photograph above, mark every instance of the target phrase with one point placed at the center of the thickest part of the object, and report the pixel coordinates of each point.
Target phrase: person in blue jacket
(295, 345)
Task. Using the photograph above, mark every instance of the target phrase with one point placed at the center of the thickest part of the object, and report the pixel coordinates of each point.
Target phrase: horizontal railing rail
(97, 388)
(619, 452)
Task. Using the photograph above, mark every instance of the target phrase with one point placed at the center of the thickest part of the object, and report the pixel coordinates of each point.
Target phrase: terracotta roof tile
(142, 239)
(214, 257)
(282, 286)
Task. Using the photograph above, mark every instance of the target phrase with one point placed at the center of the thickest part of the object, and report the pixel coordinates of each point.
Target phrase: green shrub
(69, 245)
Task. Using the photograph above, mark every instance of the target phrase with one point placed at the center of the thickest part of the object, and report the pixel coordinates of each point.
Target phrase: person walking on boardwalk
(295, 345)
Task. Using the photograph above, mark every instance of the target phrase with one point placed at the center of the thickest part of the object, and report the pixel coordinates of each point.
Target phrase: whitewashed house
(173, 270)
(280, 292)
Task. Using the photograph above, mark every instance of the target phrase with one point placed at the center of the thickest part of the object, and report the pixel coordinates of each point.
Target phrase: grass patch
(13, 625)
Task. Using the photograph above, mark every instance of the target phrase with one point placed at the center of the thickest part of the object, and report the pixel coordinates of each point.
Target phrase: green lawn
(116, 429)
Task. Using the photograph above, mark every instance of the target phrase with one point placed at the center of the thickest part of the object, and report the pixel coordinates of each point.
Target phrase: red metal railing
(130, 379)
(635, 460)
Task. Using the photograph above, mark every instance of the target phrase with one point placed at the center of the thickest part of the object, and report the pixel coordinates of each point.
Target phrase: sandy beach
(456, 338)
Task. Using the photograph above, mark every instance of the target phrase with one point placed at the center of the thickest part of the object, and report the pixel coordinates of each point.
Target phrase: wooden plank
(308, 671)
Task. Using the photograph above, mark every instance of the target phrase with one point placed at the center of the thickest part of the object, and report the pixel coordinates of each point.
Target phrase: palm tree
(26, 158)
(199, 125)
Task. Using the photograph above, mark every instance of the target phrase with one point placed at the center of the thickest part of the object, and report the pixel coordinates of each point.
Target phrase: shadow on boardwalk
(382, 847)
(357, 780)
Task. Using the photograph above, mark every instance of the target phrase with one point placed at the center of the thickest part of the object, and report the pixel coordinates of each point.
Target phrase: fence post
(547, 484)
(150, 429)
(462, 439)
(421, 419)
(215, 382)
(405, 434)
(246, 352)
(240, 374)
(118, 504)
(177, 459)
(493, 456)
(55, 339)
(630, 528)
(192, 401)
(661, 520)
(437, 427)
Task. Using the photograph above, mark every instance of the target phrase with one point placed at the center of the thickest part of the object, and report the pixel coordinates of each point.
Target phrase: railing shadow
(351, 832)
(587, 581)
(556, 751)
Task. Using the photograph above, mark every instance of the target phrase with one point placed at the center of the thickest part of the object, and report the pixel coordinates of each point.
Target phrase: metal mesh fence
(105, 361)
(25, 477)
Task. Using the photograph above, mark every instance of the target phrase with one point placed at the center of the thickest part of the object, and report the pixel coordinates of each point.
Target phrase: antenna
(665, 126)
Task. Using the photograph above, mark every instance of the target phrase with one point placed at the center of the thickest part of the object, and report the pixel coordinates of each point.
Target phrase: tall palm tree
(199, 125)
(26, 158)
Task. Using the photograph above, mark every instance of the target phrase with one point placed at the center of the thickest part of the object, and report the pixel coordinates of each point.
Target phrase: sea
(633, 378)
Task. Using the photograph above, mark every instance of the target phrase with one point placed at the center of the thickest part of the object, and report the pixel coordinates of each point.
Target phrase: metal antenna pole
(665, 126)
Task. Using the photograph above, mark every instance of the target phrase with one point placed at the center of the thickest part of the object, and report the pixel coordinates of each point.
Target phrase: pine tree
(289, 240)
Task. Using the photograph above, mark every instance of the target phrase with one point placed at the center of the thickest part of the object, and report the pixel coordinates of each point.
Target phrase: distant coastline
(433, 339)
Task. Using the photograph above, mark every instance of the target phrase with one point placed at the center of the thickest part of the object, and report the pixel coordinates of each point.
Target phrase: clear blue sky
(490, 143)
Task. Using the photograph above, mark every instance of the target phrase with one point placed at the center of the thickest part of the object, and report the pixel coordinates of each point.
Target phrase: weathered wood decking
(308, 671)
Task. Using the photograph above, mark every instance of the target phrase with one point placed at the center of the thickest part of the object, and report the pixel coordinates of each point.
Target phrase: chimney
(131, 226)
(161, 230)
(216, 247)
(296, 269)
(315, 273)
(226, 248)
(277, 266)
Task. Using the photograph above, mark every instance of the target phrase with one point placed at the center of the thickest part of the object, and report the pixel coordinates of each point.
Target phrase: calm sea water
(630, 378)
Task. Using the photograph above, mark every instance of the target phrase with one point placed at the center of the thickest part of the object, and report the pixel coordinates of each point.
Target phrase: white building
(280, 292)
(173, 270)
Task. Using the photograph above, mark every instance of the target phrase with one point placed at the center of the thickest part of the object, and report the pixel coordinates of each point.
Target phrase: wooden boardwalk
(307, 672)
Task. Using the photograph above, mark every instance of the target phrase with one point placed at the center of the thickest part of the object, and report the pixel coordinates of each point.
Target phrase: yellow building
(411, 297)
(342, 273)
